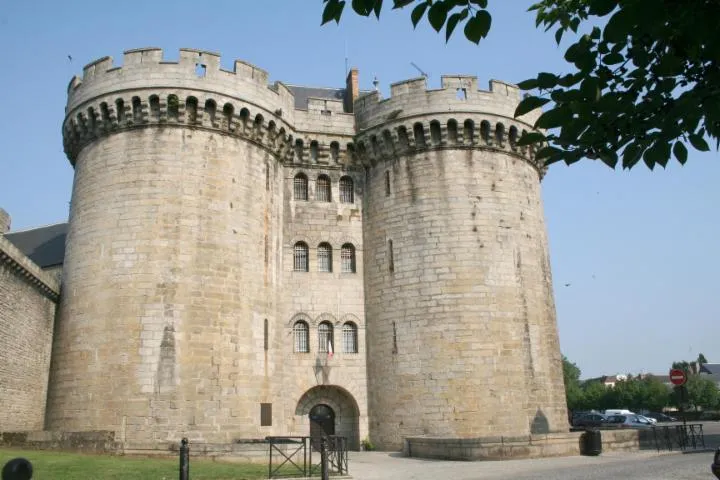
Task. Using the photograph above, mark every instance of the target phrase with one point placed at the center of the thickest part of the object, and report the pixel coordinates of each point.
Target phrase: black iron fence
(307, 456)
(681, 437)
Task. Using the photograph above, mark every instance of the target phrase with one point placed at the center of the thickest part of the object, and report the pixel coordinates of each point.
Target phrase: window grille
(325, 336)
(324, 257)
(347, 258)
(347, 194)
(300, 185)
(300, 254)
(350, 341)
(322, 189)
(301, 334)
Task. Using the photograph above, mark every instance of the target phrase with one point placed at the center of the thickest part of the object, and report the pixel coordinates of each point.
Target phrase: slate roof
(303, 93)
(44, 245)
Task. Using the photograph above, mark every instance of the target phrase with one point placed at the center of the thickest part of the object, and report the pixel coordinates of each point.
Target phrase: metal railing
(682, 437)
(293, 456)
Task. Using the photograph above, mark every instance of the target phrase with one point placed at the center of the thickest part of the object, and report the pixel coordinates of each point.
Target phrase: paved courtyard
(634, 465)
(644, 465)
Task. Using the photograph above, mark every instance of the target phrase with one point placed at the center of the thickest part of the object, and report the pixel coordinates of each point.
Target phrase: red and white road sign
(677, 377)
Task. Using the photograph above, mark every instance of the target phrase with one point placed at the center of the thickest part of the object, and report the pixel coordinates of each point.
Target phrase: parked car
(661, 417)
(589, 420)
(618, 411)
(649, 419)
(627, 421)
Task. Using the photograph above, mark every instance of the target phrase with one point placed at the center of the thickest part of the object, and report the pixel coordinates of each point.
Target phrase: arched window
(388, 142)
(347, 258)
(324, 257)
(485, 132)
(137, 110)
(452, 130)
(300, 257)
(173, 108)
(300, 187)
(244, 118)
(419, 134)
(500, 134)
(325, 337)
(104, 114)
(228, 112)
(301, 332)
(350, 338)
(469, 131)
(210, 110)
(513, 137)
(191, 106)
(298, 150)
(347, 194)
(120, 110)
(403, 137)
(435, 132)
(314, 148)
(322, 188)
(154, 102)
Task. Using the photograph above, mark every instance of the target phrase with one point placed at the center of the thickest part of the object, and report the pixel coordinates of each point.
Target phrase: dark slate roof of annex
(303, 93)
(43, 245)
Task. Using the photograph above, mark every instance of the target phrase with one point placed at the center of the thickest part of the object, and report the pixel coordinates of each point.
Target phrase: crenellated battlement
(458, 93)
(442, 131)
(195, 69)
(195, 91)
(115, 112)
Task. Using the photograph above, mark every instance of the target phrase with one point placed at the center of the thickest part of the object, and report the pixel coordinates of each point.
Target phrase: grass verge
(48, 465)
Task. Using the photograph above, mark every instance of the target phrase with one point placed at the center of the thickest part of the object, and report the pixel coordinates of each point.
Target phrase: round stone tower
(461, 332)
(166, 290)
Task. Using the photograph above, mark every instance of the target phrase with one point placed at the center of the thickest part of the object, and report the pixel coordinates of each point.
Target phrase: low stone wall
(532, 446)
(242, 451)
(100, 441)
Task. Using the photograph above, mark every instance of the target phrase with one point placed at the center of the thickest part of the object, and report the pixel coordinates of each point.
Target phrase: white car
(652, 421)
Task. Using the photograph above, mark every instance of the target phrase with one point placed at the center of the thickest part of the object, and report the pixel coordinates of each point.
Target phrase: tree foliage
(643, 86)
(571, 377)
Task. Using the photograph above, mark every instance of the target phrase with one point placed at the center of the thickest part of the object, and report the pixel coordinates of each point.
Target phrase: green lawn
(74, 466)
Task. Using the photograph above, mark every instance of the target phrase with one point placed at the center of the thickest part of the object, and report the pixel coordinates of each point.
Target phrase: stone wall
(27, 308)
(462, 336)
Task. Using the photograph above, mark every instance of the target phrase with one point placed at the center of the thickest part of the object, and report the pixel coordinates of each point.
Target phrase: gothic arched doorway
(329, 410)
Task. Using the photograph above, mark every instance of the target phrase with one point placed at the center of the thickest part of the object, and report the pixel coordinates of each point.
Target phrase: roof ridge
(11, 232)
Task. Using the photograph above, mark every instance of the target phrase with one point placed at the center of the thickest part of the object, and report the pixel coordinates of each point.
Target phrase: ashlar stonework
(239, 254)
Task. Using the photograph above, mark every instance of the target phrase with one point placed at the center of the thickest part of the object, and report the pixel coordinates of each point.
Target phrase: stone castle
(245, 259)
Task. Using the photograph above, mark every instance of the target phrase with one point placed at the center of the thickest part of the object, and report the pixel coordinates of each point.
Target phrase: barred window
(301, 332)
(350, 340)
(325, 337)
(324, 257)
(300, 185)
(300, 257)
(347, 194)
(347, 258)
(322, 189)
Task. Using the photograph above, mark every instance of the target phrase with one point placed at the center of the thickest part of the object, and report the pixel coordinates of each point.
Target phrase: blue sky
(637, 248)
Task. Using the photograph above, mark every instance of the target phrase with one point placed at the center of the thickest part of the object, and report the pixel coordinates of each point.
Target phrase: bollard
(715, 467)
(324, 474)
(184, 460)
(17, 469)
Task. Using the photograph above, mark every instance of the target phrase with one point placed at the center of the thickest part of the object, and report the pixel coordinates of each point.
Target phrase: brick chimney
(352, 91)
(4, 222)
